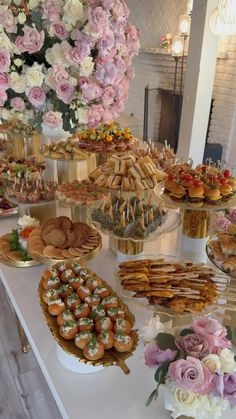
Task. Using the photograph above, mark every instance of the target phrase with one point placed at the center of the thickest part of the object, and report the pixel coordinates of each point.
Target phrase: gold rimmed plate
(13, 258)
(111, 357)
(217, 263)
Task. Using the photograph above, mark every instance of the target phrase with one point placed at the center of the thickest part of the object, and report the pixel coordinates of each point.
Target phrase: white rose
(68, 26)
(228, 363)
(73, 10)
(21, 18)
(17, 83)
(5, 114)
(86, 67)
(34, 76)
(6, 43)
(217, 406)
(89, 31)
(212, 362)
(82, 115)
(56, 54)
(73, 81)
(33, 4)
(183, 402)
(153, 328)
(18, 62)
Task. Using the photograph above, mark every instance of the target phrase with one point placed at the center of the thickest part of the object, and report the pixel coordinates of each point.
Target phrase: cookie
(70, 238)
(56, 253)
(66, 254)
(74, 252)
(65, 223)
(14, 255)
(47, 251)
(55, 238)
(47, 229)
(38, 249)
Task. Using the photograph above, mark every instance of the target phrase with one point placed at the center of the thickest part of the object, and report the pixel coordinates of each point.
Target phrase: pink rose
(36, 96)
(4, 82)
(7, 20)
(59, 30)
(191, 374)
(130, 73)
(106, 74)
(90, 91)
(132, 40)
(213, 331)
(95, 115)
(221, 223)
(232, 215)
(98, 19)
(51, 10)
(18, 104)
(120, 11)
(5, 60)
(3, 97)
(32, 41)
(65, 91)
(155, 356)
(53, 119)
(193, 345)
(107, 116)
(108, 96)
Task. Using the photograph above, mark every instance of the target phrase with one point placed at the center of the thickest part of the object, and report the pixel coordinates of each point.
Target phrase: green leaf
(166, 341)
(186, 332)
(151, 397)
(161, 372)
(229, 335)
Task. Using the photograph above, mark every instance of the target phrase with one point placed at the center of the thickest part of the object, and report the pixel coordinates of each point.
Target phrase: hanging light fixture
(184, 25)
(218, 27)
(227, 11)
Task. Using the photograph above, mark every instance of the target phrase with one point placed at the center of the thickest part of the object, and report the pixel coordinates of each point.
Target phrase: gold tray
(51, 261)
(19, 263)
(111, 357)
(217, 263)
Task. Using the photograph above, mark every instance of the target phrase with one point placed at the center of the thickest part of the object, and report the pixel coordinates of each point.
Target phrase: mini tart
(64, 317)
(106, 337)
(94, 350)
(82, 310)
(66, 274)
(68, 330)
(72, 300)
(116, 313)
(98, 312)
(93, 300)
(50, 273)
(60, 266)
(51, 283)
(123, 343)
(105, 323)
(83, 292)
(83, 338)
(92, 283)
(76, 267)
(83, 272)
(49, 294)
(85, 324)
(65, 290)
(109, 302)
(76, 282)
(56, 306)
(122, 326)
(102, 292)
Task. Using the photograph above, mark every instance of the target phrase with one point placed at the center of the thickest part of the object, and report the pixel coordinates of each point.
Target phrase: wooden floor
(24, 393)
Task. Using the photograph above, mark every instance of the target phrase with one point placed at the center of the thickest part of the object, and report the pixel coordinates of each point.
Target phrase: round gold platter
(217, 263)
(7, 260)
(111, 357)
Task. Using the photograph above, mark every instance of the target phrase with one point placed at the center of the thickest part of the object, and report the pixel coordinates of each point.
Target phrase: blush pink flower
(90, 91)
(213, 331)
(106, 43)
(221, 223)
(193, 345)
(108, 96)
(31, 42)
(107, 116)
(230, 387)
(53, 119)
(106, 74)
(191, 374)
(120, 11)
(98, 19)
(59, 30)
(132, 40)
(3, 97)
(155, 356)
(51, 10)
(18, 104)
(36, 96)
(65, 91)
(5, 60)
(4, 82)
(95, 115)
(7, 21)
(232, 215)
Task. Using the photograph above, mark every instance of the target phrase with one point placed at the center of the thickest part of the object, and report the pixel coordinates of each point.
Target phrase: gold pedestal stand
(25, 147)
(196, 223)
(128, 247)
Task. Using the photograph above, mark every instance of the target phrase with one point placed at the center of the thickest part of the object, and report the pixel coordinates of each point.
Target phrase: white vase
(54, 134)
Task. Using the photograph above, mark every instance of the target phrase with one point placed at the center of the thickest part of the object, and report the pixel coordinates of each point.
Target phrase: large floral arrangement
(64, 63)
(221, 220)
(197, 367)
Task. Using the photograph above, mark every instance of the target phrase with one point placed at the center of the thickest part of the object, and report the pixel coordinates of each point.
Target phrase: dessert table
(108, 392)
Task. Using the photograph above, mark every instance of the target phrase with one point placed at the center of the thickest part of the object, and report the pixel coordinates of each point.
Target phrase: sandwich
(226, 191)
(196, 196)
(212, 196)
(178, 194)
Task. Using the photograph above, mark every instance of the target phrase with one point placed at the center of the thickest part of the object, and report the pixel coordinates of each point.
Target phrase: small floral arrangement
(166, 41)
(221, 220)
(65, 63)
(197, 367)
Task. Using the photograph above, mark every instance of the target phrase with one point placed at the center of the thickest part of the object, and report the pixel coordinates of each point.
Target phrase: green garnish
(15, 245)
